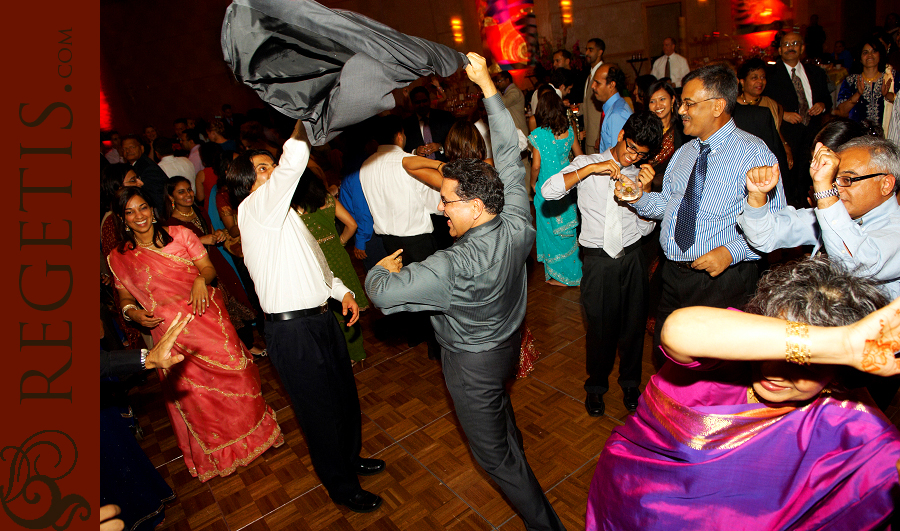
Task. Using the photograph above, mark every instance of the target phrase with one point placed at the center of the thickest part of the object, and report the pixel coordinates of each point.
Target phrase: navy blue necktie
(690, 203)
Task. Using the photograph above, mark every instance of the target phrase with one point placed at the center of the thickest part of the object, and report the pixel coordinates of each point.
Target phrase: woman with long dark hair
(213, 397)
(664, 102)
(862, 96)
(557, 221)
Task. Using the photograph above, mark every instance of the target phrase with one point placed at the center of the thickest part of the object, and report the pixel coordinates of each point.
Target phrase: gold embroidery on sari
(207, 450)
(225, 393)
(707, 431)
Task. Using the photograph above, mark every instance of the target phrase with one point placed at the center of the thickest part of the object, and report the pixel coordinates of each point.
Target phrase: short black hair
(615, 74)
(111, 179)
(193, 135)
(644, 129)
(476, 179)
(241, 176)
(180, 121)
(719, 81)
(598, 42)
(163, 146)
(210, 153)
(754, 63)
(565, 53)
(387, 128)
(505, 75)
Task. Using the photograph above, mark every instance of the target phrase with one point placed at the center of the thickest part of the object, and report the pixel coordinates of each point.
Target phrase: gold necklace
(151, 244)
(744, 100)
(180, 213)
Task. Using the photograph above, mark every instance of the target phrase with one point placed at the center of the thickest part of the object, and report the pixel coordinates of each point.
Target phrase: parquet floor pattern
(432, 481)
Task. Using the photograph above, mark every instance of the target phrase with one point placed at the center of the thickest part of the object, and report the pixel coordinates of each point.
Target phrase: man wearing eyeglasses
(614, 283)
(708, 262)
(478, 289)
(803, 92)
(856, 218)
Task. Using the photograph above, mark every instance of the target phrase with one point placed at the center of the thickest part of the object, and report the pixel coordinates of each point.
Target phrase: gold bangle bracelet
(797, 343)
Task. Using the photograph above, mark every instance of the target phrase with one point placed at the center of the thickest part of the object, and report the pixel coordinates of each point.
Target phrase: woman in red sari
(213, 397)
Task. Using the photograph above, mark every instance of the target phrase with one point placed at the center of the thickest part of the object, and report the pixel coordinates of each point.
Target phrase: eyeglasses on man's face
(790, 44)
(688, 104)
(846, 180)
(454, 201)
(633, 151)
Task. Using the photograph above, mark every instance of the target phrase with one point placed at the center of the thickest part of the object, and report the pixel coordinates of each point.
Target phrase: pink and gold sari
(213, 397)
(697, 455)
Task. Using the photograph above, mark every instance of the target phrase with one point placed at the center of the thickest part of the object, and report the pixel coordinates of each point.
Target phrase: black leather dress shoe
(630, 399)
(369, 467)
(362, 502)
(594, 404)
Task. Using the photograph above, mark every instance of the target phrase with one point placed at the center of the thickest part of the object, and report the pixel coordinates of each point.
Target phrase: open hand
(874, 341)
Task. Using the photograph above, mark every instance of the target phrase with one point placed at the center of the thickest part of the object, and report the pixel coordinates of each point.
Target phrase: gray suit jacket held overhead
(478, 285)
(328, 67)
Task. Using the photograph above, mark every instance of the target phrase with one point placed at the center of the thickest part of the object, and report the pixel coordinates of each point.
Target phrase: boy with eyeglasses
(614, 284)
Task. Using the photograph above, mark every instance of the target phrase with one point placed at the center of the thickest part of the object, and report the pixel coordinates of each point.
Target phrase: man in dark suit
(427, 128)
(803, 92)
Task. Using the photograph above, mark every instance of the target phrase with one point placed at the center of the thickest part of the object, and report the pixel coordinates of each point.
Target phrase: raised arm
(701, 332)
(504, 140)
(424, 170)
(276, 193)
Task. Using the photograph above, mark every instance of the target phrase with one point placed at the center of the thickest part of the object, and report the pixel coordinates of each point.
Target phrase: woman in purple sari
(750, 425)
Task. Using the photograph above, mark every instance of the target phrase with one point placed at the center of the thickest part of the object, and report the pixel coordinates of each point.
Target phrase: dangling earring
(173, 204)
(127, 228)
(153, 220)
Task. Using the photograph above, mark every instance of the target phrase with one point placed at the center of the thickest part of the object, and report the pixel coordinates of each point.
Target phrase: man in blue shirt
(856, 219)
(608, 81)
(708, 262)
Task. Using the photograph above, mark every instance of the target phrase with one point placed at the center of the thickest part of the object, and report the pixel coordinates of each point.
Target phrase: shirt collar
(882, 211)
(388, 147)
(484, 228)
(609, 103)
(799, 67)
(718, 138)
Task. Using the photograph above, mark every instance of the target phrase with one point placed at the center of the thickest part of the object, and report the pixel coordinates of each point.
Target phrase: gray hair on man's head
(884, 155)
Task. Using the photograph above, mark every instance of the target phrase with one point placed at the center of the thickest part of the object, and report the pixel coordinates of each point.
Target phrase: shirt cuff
(756, 213)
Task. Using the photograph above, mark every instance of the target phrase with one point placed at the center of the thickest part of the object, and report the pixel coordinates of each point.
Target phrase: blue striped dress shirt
(732, 152)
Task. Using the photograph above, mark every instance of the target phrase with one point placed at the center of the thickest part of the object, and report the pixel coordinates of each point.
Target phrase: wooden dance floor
(431, 480)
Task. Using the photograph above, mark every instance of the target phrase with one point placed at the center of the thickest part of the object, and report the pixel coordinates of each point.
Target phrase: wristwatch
(144, 353)
(831, 192)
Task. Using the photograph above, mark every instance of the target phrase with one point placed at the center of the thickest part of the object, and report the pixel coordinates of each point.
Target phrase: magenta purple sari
(214, 397)
(681, 464)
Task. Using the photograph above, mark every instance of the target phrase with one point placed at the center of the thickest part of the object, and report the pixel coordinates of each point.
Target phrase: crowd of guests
(661, 200)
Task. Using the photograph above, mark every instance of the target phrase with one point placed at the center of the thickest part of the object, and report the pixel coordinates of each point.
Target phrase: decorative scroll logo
(32, 499)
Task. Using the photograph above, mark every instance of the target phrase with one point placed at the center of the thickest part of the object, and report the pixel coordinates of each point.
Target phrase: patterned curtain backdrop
(751, 16)
(509, 30)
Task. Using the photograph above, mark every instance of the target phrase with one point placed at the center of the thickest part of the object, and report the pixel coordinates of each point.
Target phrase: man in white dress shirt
(304, 339)
(172, 165)
(676, 64)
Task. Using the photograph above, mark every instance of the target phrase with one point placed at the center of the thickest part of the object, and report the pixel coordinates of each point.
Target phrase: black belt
(685, 265)
(296, 314)
(598, 251)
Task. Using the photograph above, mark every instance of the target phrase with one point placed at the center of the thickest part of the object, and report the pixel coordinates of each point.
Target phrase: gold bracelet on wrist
(797, 343)
(126, 308)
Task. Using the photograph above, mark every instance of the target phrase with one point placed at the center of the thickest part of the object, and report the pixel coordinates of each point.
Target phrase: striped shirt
(732, 152)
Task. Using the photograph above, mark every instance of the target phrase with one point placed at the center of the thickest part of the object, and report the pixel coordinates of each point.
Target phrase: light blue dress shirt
(869, 245)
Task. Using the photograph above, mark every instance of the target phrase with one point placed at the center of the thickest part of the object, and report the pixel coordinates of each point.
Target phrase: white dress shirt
(400, 204)
(678, 68)
(194, 157)
(284, 268)
(175, 166)
(592, 198)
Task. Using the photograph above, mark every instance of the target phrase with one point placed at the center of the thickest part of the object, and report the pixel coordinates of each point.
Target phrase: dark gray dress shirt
(328, 67)
(478, 285)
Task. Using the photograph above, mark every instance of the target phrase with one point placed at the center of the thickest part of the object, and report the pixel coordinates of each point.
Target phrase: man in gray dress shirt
(478, 289)
(614, 286)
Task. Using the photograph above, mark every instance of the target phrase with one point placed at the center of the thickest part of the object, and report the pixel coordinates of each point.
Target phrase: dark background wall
(161, 59)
